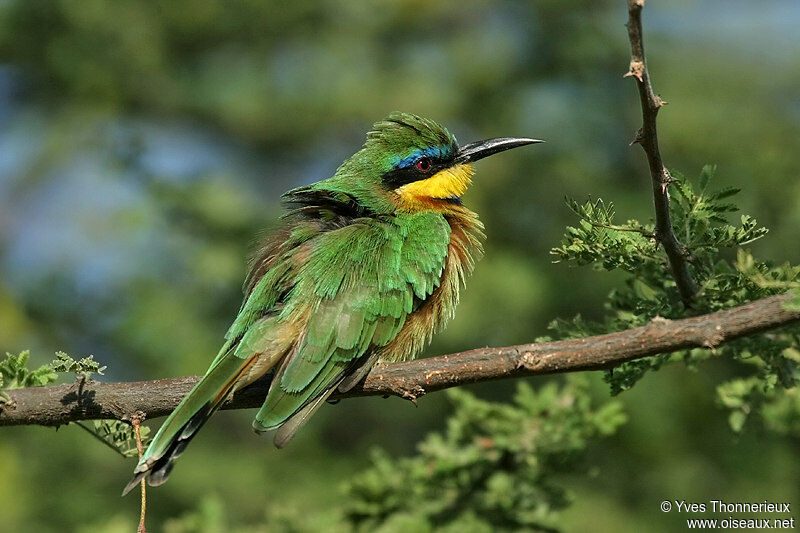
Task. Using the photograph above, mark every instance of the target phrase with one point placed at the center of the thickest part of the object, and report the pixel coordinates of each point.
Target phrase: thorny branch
(647, 137)
(56, 405)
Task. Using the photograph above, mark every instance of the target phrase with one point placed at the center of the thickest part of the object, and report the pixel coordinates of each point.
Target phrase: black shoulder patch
(306, 202)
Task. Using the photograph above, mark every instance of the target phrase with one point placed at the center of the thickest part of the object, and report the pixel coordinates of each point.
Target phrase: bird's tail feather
(190, 415)
(287, 430)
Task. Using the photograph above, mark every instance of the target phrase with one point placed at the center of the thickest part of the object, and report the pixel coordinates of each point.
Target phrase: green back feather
(360, 283)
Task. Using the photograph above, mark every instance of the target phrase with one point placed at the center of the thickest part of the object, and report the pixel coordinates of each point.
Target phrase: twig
(56, 405)
(647, 137)
(641, 231)
(135, 422)
(98, 437)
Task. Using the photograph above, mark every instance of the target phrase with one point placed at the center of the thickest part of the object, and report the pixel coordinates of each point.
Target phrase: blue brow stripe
(434, 152)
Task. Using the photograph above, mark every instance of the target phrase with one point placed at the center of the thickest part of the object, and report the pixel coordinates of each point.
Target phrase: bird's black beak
(480, 149)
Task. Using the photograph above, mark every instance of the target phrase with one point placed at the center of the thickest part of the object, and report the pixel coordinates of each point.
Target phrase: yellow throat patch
(447, 183)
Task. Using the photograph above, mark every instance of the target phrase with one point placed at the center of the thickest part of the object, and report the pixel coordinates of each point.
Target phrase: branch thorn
(636, 70)
(638, 138)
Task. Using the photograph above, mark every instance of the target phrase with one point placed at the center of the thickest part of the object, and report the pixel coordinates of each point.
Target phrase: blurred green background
(144, 144)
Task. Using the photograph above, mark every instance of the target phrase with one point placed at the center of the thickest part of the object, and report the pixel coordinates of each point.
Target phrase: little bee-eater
(366, 268)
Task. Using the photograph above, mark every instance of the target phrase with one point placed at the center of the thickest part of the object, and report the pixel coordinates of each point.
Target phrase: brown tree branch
(647, 136)
(56, 405)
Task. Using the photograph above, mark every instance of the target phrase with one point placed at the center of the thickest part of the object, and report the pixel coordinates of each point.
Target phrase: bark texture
(60, 404)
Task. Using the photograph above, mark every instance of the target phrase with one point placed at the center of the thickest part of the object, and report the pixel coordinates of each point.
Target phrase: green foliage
(598, 241)
(778, 407)
(701, 223)
(83, 368)
(117, 435)
(495, 468)
(794, 303)
(14, 374)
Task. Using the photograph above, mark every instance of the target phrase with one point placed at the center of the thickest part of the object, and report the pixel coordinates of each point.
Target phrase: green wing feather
(358, 286)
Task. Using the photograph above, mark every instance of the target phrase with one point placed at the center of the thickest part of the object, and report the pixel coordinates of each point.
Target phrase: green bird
(367, 266)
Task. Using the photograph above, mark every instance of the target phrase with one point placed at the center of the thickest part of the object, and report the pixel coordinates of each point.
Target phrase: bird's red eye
(424, 164)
